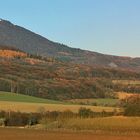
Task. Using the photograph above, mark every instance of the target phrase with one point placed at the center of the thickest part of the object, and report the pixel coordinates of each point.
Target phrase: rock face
(27, 41)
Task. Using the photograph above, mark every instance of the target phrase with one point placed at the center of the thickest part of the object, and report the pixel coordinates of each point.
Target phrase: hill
(56, 80)
(29, 42)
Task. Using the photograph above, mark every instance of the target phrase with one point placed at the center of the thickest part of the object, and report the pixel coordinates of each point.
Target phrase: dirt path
(25, 134)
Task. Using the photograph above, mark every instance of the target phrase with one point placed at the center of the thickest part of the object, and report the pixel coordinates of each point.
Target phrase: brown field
(123, 95)
(35, 107)
(28, 134)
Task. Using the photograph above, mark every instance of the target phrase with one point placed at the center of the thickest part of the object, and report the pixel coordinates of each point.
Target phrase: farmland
(111, 125)
(34, 107)
(23, 103)
(12, 97)
(28, 134)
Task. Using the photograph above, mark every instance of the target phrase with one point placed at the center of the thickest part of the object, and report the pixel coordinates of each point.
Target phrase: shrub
(84, 112)
(132, 105)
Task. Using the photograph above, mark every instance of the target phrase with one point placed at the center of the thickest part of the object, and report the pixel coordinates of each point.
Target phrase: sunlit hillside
(12, 53)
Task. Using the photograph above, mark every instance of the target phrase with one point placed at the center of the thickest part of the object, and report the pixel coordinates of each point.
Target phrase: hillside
(11, 54)
(29, 42)
(53, 79)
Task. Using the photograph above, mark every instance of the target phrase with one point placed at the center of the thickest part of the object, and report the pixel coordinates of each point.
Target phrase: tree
(131, 105)
(85, 112)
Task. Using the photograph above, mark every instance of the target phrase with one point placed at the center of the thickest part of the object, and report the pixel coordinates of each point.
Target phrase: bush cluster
(22, 119)
(131, 105)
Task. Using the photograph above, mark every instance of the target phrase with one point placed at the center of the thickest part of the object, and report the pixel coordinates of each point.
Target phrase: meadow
(13, 97)
(111, 125)
(36, 107)
(24, 103)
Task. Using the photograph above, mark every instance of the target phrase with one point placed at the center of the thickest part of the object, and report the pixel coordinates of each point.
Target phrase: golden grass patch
(34, 107)
(123, 95)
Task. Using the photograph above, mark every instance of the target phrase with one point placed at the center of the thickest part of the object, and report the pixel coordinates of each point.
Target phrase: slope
(13, 97)
(51, 79)
(25, 40)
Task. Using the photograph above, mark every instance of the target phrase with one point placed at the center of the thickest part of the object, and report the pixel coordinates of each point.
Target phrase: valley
(50, 90)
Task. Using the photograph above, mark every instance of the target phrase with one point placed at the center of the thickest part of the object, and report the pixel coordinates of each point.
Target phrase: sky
(105, 26)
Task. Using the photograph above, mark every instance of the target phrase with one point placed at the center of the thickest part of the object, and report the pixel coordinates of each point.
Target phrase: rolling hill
(51, 79)
(29, 42)
(33, 65)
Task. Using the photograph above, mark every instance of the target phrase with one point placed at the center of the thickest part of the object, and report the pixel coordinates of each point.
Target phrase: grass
(35, 107)
(116, 124)
(12, 97)
(123, 95)
(24, 103)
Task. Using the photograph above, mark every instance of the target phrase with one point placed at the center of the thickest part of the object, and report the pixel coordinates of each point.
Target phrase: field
(110, 128)
(103, 101)
(123, 95)
(36, 107)
(7, 96)
(27, 134)
(127, 82)
(98, 102)
(23, 103)
(111, 125)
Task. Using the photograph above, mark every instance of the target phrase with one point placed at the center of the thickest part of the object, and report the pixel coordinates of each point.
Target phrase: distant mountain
(27, 41)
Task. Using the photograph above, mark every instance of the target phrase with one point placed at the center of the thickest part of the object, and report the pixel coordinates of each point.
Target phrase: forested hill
(53, 79)
(29, 42)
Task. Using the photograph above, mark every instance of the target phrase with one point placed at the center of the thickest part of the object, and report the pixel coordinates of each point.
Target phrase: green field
(13, 97)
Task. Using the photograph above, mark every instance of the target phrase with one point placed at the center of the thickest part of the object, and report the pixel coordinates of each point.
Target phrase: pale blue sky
(106, 26)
